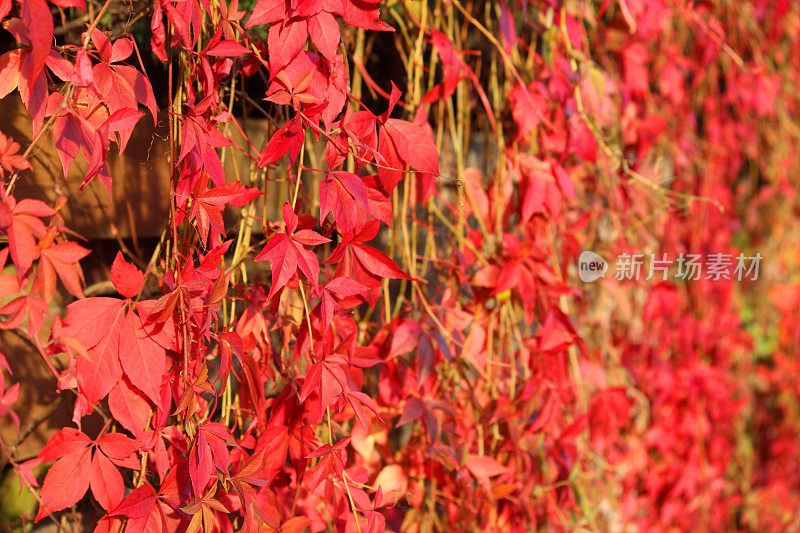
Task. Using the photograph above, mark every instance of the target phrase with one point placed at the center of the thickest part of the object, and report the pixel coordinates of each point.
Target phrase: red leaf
(70, 3)
(24, 226)
(609, 409)
(69, 139)
(98, 369)
(227, 48)
(290, 218)
(507, 30)
(138, 504)
(267, 11)
(66, 252)
(181, 26)
(233, 193)
(116, 87)
(121, 49)
(201, 464)
(484, 467)
(309, 237)
(62, 259)
(539, 178)
(298, 524)
(288, 253)
(9, 71)
(545, 414)
(102, 43)
(326, 378)
(33, 92)
(390, 169)
(120, 449)
(65, 483)
(556, 333)
(144, 361)
(635, 59)
(127, 279)
(159, 322)
(94, 324)
(414, 144)
(64, 442)
(142, 89)
(364, 14)
(158, 32)
(284, 42)
(275, 440)
(129, 407)
(106, 482)
(287, 139)
(377, 262)
(412, 411)
(324, 32)
(107, 524)
(343, 286)
(122, 120)
(91, 320)
(345, 195)
(527, 107)
(280, 251)
(358, 399)
(37, 17)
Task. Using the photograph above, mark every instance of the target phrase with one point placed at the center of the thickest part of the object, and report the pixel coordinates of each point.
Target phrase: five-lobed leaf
(288, 252)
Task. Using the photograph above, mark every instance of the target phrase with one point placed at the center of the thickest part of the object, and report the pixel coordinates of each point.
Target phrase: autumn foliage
(369, 318)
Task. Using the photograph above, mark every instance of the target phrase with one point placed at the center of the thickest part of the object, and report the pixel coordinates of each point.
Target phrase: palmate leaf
(82, 464)
(288, 252)
(62, 260)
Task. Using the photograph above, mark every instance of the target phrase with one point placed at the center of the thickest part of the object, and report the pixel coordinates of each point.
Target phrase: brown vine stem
(413, 89)
(564, 305)
(299, 172)
(308, 322)
(506, 59)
